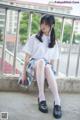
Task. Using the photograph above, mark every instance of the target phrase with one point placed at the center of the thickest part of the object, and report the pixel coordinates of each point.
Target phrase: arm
(56, 57)
(26, 60)
(54, 64)
(27, 49)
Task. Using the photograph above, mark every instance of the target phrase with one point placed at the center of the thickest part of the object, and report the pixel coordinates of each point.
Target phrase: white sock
(52, 84)
(40, 79)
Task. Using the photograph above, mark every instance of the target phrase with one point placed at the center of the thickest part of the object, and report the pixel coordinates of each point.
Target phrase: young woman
(41, 53)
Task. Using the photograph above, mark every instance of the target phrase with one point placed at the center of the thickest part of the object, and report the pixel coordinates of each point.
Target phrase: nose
(43, 27)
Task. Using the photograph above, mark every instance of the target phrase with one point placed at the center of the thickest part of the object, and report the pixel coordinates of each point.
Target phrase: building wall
(11, 19)
(11, 22)
(2, 17)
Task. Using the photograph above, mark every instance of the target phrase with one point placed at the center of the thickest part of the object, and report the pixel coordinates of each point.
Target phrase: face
(45, 28)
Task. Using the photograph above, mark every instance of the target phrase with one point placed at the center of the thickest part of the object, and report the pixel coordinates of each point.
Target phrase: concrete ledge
(69, 85)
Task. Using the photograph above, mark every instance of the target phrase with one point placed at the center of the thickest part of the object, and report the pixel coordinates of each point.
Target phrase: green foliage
(35, 23)
(24, 26)
(67, 33)
(76, 38)
(57, 29)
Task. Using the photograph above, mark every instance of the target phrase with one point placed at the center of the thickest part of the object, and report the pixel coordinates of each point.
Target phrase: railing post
(61, 39)
(71, 40)
(62, 30)
(77, 66)
(4, 43)
(29, 24)
(16, 43)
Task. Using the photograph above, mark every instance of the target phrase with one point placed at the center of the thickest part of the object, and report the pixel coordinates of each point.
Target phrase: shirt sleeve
(28, 48)
(56, 53)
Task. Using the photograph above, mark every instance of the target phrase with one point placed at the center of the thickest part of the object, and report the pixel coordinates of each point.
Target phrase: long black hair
(49, 20)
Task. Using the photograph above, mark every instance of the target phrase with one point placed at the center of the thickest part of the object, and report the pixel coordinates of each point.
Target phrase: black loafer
(43, 106)
(57, 112)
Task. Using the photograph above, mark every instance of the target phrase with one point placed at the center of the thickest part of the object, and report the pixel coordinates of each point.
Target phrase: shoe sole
(57, 117)
(43, 111)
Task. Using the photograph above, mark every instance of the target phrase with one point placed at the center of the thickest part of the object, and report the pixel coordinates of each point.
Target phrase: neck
(47, 34)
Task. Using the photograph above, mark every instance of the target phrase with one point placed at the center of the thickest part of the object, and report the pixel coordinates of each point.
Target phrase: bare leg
(52, 83)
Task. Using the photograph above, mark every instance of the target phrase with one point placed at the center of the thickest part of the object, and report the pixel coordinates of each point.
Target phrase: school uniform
(39, 50)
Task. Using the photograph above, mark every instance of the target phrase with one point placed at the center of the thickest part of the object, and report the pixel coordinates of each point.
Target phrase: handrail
(11, 54)
(21, 8)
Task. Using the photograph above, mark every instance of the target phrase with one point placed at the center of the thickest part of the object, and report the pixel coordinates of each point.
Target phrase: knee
(40, 63)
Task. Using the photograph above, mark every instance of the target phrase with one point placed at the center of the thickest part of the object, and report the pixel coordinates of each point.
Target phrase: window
(2, 17)
(1, 22)
(14, 29)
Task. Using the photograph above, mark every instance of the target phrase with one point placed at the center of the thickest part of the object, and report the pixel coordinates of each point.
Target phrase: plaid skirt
(30, 72)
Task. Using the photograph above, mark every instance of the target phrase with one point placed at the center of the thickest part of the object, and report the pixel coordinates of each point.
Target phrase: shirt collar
(45, 37)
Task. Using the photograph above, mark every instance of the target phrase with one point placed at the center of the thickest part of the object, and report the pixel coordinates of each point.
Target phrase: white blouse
(40, 50)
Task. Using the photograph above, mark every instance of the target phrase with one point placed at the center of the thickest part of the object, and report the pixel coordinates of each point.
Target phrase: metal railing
(9, 59)
(31, 11)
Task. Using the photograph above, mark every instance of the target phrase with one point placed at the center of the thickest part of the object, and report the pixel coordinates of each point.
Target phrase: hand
(23, 81)
(24, 78)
